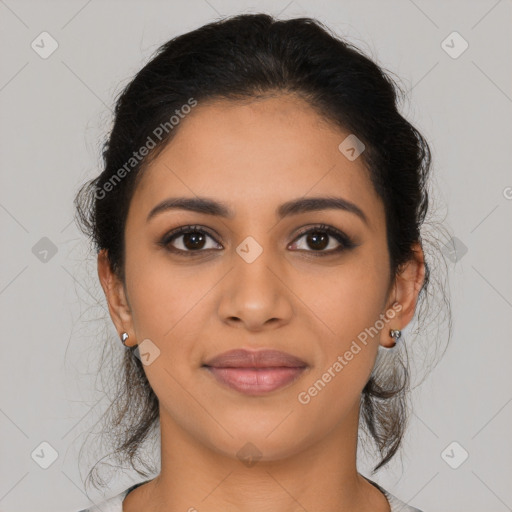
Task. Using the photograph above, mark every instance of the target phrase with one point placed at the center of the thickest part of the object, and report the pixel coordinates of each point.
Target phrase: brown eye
(189, 239)
(194, 240)
(318, 238)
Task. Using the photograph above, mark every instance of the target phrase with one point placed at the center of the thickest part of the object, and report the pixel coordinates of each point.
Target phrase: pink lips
(255, 372)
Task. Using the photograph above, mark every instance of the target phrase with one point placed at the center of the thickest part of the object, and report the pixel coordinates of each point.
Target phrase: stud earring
(124, 337)
(395, 334)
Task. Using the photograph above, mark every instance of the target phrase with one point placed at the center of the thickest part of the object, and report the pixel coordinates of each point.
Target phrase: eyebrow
(294, 207)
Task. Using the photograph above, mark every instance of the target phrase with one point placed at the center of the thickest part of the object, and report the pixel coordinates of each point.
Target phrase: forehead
(255, 155)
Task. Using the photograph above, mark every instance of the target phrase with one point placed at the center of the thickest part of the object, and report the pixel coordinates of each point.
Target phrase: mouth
(255, 381)
(255, 372)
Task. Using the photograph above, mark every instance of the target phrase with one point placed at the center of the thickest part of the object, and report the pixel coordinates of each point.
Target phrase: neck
(321, 476)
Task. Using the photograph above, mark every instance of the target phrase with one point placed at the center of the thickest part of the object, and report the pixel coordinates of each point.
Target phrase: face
(305, 282)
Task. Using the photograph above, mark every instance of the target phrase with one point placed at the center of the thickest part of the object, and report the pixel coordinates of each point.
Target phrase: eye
(318, 237)
(193, 240)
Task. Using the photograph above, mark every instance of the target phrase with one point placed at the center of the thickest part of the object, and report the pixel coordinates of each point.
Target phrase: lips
(241, 358)
(255, 372)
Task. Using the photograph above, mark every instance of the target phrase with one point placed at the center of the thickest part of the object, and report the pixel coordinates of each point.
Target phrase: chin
(261, 441)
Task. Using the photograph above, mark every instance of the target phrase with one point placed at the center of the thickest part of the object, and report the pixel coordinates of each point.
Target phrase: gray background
(54, 114)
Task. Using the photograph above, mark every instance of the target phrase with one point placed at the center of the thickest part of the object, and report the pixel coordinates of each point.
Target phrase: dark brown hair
(244, 57)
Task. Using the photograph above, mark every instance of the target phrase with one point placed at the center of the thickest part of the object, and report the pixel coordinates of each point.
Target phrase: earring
(396, 334)
(124, 337)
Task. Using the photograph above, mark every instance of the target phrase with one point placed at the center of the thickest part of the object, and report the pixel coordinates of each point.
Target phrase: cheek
(161, 295)
(346, 300)
(169, 304)
(346, 358)
(166, 301)
(344, 309)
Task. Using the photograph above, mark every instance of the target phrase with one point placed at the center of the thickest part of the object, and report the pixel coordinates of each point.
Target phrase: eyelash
(345, 241)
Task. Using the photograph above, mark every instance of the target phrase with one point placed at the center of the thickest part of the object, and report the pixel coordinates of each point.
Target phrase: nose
(255, 295)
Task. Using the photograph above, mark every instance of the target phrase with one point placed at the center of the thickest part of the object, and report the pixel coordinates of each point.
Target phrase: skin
(254, 156)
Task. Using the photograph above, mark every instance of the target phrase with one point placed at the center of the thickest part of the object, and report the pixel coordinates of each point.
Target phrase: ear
(404, 294)
(115, 294)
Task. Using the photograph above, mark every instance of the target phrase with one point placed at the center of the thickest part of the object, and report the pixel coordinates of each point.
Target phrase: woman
(258, 224)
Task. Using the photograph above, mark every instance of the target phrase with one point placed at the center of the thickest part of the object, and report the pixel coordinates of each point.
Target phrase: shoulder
(113, 504)
(395, 504)
(398, 505)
